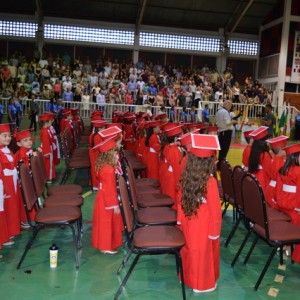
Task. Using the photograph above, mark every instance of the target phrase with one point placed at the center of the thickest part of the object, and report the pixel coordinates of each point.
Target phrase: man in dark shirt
(181, 100)
(269, 119)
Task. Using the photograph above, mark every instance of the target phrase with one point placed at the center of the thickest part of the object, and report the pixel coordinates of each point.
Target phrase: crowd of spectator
(62, 79)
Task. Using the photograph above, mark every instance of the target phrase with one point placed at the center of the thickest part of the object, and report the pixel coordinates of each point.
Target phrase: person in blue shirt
(1, 112)
(153, 89)
(19, 112)
(205, 114)
(52, 106)
(297, 127)
(68, 96)
(12, 113)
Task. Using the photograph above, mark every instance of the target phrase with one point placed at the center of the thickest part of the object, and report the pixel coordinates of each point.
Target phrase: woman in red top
(199, 216)
(153, 142)
(107, 221)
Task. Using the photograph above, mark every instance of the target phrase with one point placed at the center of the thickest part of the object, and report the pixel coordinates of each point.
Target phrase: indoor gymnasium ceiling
(239, 16)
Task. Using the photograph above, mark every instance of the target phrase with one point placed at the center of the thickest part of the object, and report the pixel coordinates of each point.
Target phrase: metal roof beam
(241, 16)
(139, 18)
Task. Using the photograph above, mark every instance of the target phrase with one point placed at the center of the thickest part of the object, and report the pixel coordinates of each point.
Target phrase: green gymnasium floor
(153, 278)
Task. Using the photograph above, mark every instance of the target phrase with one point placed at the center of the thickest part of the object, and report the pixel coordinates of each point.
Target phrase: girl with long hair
(107, 221)
(199, 215)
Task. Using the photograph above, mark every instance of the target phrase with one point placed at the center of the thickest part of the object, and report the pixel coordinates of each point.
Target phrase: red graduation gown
(141, 149)
(201, 252)
(11, 198)
(270, 191)
(46, 145)
(67, 124)
(246, 156)
(4, 236)
(129, 137)
(289, 200)
(152, 157)
(93, 154)
(106, 226)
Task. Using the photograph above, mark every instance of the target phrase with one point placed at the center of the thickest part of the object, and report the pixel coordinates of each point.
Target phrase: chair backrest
(42, 166)
(37, 175)
(127, 215)
(132, 187)
(226, 179)
(254, 201)
(27, 188)
(238, 174)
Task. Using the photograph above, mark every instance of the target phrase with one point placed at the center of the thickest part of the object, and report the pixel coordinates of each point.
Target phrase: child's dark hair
(258, 147)
(148, 135)
(291, 160)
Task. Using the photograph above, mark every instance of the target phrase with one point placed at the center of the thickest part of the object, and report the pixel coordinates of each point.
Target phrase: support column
(222, 58)
(39, 34)
(135, 54)
(283, 54)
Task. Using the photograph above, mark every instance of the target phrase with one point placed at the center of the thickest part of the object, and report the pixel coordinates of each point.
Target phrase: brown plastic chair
(150, 215)
(148, 240)
(73, 161)
(238, 174)
(149, 199)
(275, 233)
(39, 173)
(227, 186)
(58, 216)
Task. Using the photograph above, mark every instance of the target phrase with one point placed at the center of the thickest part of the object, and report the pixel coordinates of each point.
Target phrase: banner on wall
(295, 76)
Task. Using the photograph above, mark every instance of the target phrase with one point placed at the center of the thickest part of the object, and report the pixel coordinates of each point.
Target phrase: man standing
(269, 119)
(225, 128)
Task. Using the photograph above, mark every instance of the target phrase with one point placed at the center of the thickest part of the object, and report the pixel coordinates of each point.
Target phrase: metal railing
(250, 111)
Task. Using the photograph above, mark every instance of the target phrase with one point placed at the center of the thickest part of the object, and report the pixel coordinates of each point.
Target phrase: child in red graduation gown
(107, 221)
(153, 142)
(288, 189)
(9, 194)
(66, 123)
(46, 146)
(95, 139)
(199, 216)
(24, 141)
(247, 150)
(260, 159)
(4, 237)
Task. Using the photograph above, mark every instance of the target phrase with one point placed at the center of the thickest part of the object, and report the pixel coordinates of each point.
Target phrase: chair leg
(225, 208)
(64, 176)
(241, 248)
(75, 242)
(281, 255)
(123, 283)
(29, 244)
(178, 258)
(250, 250)
(232, 232)
(265, 268)
(124, 261)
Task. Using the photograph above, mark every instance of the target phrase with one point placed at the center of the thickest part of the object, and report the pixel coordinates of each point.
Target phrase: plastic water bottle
(53, 256)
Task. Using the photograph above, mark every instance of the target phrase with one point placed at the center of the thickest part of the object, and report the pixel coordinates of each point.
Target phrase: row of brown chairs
(268, 224)
(77, 159)
(60, 208)
(148, 229)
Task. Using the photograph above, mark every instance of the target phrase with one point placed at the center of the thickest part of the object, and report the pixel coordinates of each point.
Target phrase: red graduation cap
(105, 145)
(110, 132)
(160, 116)
(22, 135)
(130, 118)
(4, 127)
(204, 145)
(168, 126)
(174, 131)
(119, 125)
(247, 133)
(185, 139)
(67, 114)
(154, 123)
(259, 133)
(50, 114)
(278, 142)
(98, 123)
(212, 128)
(141, 124)
(45, 117)
(292, 149)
